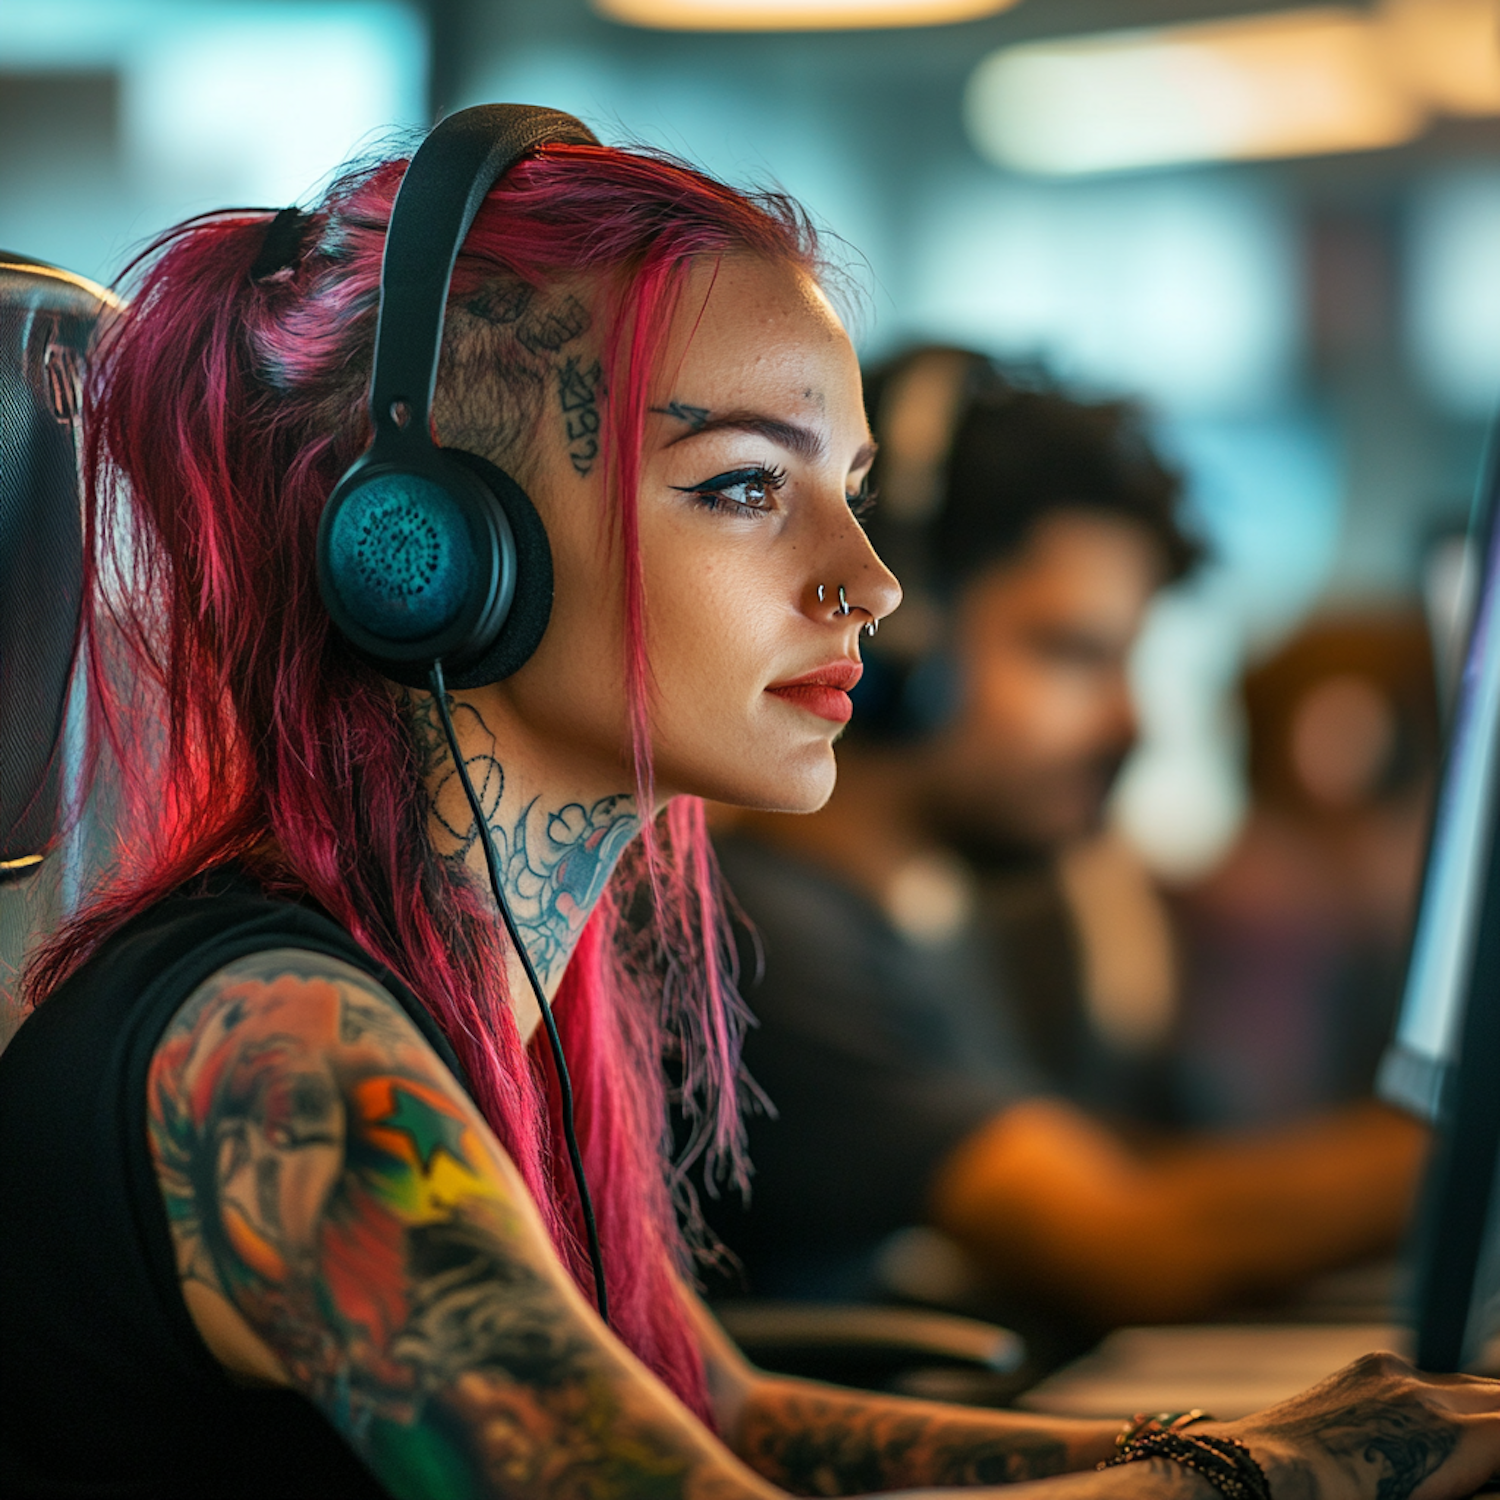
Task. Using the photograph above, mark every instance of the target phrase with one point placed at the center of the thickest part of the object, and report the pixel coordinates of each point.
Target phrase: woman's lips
(824, 692)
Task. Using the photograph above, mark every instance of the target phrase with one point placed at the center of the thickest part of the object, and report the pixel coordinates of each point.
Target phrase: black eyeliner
(773, 479)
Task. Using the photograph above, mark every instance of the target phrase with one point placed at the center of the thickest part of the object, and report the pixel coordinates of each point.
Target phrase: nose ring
(846, 608)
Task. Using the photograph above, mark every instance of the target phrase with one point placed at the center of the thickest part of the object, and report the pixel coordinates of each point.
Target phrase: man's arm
(1057, 1204)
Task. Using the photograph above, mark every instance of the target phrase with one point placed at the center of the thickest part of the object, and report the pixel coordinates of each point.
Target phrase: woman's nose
(863, 586)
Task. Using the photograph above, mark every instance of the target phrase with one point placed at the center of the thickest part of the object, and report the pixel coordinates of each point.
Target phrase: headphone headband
(427, 553)
(446, 183)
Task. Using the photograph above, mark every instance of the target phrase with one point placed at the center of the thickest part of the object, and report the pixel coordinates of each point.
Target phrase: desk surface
(1228, 1369)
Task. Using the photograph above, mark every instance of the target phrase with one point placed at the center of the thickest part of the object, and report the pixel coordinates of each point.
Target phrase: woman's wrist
(1288, 1472)
(1225, 1463)
(1093, 1448)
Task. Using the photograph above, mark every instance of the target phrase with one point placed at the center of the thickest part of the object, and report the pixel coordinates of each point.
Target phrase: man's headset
(916, 402)
(432, 561)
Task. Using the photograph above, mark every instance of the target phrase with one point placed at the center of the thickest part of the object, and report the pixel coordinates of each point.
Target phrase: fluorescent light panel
(1454, 303)
(1182, 290)
(1321, 80)
(794, 15)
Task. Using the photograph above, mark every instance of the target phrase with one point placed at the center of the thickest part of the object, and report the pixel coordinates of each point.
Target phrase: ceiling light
(1268, 86)
(1447, 51)
(794, 15)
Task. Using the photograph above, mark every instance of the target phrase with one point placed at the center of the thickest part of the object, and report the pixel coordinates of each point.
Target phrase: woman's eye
(744, 491)
(862, 501)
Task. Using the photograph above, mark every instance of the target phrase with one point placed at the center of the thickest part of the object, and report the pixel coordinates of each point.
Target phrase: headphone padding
(531, 606)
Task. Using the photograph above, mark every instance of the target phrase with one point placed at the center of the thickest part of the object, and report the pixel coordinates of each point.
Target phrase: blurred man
(1033, 532)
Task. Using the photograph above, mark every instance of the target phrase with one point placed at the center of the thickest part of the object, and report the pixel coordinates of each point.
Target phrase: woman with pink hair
(287, 1203)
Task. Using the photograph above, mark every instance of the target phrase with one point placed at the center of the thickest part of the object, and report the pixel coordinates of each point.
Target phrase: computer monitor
(1444, 1063)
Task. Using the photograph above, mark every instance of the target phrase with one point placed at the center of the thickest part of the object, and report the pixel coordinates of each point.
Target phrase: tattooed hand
(1378, 1428)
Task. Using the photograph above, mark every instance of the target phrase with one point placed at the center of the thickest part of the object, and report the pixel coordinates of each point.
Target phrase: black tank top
(106, 1388)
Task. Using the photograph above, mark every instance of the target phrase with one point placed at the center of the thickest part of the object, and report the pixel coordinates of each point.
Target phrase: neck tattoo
(554, 861)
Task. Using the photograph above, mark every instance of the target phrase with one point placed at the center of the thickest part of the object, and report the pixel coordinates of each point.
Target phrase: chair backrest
(47, 318)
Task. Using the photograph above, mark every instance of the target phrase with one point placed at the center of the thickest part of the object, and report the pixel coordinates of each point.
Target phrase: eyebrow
(802, 441)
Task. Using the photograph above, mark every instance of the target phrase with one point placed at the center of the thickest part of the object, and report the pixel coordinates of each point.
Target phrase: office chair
(47, 318)
(911, 1350)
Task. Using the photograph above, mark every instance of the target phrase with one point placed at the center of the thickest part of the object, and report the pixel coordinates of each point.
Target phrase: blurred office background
(1279, 226)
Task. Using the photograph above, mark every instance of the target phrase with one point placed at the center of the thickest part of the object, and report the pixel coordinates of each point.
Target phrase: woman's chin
(795, 789)
(799, 782)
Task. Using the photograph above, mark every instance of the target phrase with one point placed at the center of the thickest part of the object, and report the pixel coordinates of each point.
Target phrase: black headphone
(429, 554)
(915, 402)
(429, 558)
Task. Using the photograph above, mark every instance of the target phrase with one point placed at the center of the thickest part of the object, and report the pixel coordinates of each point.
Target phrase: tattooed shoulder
(325, 1176)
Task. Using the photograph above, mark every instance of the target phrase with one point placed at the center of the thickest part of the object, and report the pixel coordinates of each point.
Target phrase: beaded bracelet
(1162, 1421)
(1225, 1463)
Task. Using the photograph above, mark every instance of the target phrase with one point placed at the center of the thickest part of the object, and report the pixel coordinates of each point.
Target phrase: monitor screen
(1426, 1043)
(1445, 1057)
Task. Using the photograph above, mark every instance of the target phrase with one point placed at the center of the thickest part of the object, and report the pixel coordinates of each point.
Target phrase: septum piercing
(869, 627)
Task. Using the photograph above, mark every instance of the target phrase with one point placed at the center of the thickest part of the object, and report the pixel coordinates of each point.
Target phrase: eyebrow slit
(694, 416)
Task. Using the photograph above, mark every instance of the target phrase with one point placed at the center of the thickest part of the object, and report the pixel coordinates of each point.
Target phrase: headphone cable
(564, 1083)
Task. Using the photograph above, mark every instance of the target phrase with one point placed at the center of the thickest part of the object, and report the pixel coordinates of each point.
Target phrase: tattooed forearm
(554, 862)
(815, 1441)
(322, 1172)
(578, 392)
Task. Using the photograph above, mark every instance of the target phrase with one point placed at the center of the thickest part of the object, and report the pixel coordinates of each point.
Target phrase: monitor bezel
(1461, 1096)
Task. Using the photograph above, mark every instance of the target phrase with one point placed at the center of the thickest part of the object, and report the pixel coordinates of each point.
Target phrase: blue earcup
(444, 558)
(520, 632)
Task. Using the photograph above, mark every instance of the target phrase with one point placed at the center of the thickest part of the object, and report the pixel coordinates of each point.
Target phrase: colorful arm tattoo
(324, 1173)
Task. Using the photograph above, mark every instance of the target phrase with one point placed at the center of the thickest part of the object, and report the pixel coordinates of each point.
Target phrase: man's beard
(993, 836)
